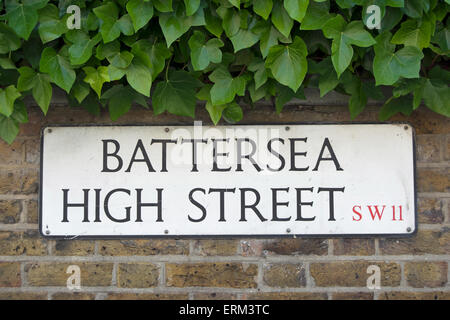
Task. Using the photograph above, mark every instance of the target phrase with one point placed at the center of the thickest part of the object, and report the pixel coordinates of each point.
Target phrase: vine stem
(167, 69)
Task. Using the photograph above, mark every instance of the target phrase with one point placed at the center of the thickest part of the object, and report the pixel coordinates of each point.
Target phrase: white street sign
(245, 180)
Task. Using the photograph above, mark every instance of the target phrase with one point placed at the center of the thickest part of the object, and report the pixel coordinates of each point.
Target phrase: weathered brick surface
(54, 274)
(73, 248)
(284, 275)
(430, 211)
(285, 296)
(398, 295)
(137, 275)
(429, 148)
(353, 273)
(199, 268)
(426, 274)
(28, 243)
(20, 181)
(352, 296)
(23, 296)
(354, 247)
(232, 275)
(32, 211)
(143, 247)
(147, 296)
(433, 180)
(10, 211)
(9, 274)
(423, 242)
(73, 296)
(215, 247)
(299, 246)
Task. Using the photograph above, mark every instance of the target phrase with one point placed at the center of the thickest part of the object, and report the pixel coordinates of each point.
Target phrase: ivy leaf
(436, 92)
(23, 17)
(9, 41)
(233, 113)
(288, 63)
(39, 84)
(328, 79)
(110, 24)
(140, 12)
(96, 78)
(281, 19)
(225, 86)
(243, 39)
(296, 8)
(395, 105)
(259, 68)
(152, 55)
(389, 66)
(120, 99)
(7, 97)
(415, 33)
(344, 35)
(176, 94)
(9, 129)
(80, 91)
(58, 68)
(175, 24)
(284, 95)
(202, 52)
(81, 51)
(263, 8)
(139, 77)
(358, 97)
(316, 16)
(163, 5)
(50, 26)
(191, 6)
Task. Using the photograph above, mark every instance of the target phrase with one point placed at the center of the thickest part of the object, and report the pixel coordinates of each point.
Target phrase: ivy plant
(168, 55)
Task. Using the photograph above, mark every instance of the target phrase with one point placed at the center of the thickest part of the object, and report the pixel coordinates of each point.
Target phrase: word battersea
(115, 160)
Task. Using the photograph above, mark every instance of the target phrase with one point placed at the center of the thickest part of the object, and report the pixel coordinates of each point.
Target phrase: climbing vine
(111, 54)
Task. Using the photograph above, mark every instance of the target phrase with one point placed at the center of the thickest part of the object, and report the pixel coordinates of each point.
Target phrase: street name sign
(243, 180)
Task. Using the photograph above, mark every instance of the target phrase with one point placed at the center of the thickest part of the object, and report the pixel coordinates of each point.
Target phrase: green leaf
(328, 79)
(96, 78)
(163, 5)
(316, 16)
(263, 8)
(58, 68)
(9, 41)
(39, 84)
(176, 95)
(202, 52)
(81, 51)
(7, 97)
(243, 39)
(176, 23)
(288, 63)
(281, 19)
(191, 6)
(415, 33)
(225, 86)
(120, 99)
(284, 95)
(140, 12)
(296, 8)
(437, 96)
(139, 77)
(344, 35)
(358, 96)
(389, 66)
(9, 129)
(233, 113)
(152, 55)
(23, 17)
(50, 26)
(395, 105)
(110, 24)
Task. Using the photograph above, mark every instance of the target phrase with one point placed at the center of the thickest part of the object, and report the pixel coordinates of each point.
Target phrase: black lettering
(146, 159)
(164, 143)
(327, 144)
(197, 204)
(215, 155)
(222, 200)
(114, 154)
(300, 204)
(279, 156)
(84, 204)
(331, 197)
(275, 204)
(140, 204)
(294, 154)
(106, 206)
(248, 156)
(245, 206)
(194, 150)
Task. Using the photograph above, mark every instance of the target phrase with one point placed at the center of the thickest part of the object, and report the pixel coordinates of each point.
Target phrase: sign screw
(166, 231)
(49, 130)
(166, 129)
(405, 127)
(408, 229)
(287, 128)
(47, 232)
(288, 230)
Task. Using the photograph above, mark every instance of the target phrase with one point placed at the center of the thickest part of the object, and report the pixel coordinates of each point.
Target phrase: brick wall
(416, 267)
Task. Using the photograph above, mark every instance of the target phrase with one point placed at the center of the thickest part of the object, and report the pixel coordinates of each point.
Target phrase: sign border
(240, 236)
